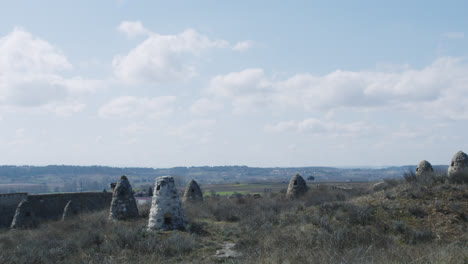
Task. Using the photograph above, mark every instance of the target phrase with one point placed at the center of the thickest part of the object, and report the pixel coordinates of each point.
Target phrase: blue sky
(258, 83)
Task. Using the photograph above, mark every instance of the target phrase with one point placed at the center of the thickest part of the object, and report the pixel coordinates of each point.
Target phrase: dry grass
(403, 224)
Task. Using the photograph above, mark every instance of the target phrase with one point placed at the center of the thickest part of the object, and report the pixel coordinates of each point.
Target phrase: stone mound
(297, 187)
(458, 169)
(166, 210)
(70, 210)
(123, 205)
(24, 216)
(192, 192)
(424, 169)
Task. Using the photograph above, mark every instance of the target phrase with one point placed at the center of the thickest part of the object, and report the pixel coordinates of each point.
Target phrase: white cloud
(243, 45)
(21, 52)
(439, 89)
(237, 83)
(133, 28)
(246, 88)
(30, 76)
(205, 106)
(319, 127)
(134, 128)
(78, 85)
(65, 109)
(132, 106)
(199, 131)
(163, 58)
(454, 35)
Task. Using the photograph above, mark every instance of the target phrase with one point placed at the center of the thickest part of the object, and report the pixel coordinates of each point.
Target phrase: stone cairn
(192, 193)
(424, 170)
(458, 169)
(70, 211)
(297, 187)
(123, 205)
(24, 216)
(166, 211)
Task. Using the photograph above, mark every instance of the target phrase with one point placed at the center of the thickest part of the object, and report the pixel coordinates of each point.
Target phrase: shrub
(389, 195)
(361, 215)
(198, 228)
(176, 244)
(399, 226)
(410, 177)
(391, 182)
(144, 210)
(420, 236)
(416, 210)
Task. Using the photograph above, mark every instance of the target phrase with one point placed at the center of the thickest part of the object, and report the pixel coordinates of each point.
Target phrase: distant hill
(77, 178)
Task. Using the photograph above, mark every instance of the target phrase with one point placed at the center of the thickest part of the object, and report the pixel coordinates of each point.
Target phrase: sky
(257, 83)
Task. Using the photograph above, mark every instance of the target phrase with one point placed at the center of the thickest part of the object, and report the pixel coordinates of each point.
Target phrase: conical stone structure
(424, 169)
(24, 216)
(70, 211)
(192, 192)
(123, 205)
(166, 211)
(458, 169)
(297, 187)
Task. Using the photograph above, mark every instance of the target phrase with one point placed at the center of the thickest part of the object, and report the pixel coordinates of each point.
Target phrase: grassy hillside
(403, 222)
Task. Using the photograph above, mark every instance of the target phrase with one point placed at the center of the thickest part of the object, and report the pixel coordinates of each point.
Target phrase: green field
(263, 187)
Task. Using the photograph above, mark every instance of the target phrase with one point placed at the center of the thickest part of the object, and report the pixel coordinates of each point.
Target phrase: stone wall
(8, 204)
(50, 206)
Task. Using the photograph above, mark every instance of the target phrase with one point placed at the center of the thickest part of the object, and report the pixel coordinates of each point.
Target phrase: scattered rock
(166, 211)
(297, 187)
(227, 251)
(70, 210)
(458, 169)
(192, 192)
(123, 205)
(24, 216)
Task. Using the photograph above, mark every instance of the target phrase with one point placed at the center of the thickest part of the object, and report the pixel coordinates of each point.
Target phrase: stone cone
(24, 216)
(297, 187)
(123, 205)
(166, 210)
(424, 169)
(458, 169)
(192, 193)
(70, 211)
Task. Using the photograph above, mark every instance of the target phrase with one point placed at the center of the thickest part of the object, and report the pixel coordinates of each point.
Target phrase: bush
(416, 210)
(176, 244)
(197, 228)
(400, 226)
(361, 215)
(391, 182)
(410, 177)
(420, 236)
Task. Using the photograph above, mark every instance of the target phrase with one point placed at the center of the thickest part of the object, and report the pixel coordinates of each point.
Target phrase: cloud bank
(161, 58)
(438, 90)
(31, 76)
